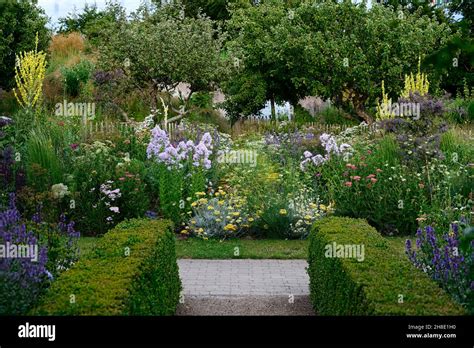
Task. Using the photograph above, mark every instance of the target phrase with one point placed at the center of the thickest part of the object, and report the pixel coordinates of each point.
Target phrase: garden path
(244, 287)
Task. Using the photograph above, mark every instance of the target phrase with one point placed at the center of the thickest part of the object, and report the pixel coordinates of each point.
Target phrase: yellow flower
(236, 213)
(230, 227)
(313, 205)
(193, 204)
(193, 222)
(250, 219)
(203, 201)
(210, 207)
(221, 202)
(308, 217)
(218, 220)
(273, 176)
(200, 194)
(217, 212)
(283, 212)
(201, 230)
(323, 207)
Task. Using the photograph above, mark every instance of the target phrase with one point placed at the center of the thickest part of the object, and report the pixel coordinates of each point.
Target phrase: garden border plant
(384, 283)
(132, 271)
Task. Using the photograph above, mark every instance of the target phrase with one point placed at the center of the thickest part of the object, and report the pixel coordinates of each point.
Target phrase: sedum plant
(30, 69)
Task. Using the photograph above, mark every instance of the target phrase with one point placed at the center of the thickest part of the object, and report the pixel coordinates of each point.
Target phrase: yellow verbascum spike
(30, 69)
(416, 83)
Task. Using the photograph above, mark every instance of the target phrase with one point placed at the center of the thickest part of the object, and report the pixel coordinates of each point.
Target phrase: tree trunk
(273, 115)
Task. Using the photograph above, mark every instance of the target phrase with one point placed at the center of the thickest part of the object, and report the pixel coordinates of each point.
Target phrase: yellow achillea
(418, 83)
(30, 69)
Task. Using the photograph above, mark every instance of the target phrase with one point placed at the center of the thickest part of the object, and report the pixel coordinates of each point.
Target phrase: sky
(56, 9)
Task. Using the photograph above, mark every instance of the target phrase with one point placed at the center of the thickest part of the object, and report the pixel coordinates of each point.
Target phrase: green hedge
(346, 286)
(132, 271)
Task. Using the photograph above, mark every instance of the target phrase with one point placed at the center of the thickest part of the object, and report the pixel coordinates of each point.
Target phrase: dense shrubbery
(138, 262)
(383, 283)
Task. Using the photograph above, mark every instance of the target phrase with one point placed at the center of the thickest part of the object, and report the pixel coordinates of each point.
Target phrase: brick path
(244, 287)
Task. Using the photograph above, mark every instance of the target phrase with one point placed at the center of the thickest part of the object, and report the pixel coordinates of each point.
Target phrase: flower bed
(133, 271)
(378, 282)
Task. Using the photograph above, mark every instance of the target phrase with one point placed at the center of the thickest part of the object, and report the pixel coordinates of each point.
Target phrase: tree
(159, 52)
(341, 51)
(20, 20)
(263, 40)
(94, 23)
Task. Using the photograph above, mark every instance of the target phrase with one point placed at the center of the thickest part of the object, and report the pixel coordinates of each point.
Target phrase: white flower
(115, 209)
(59, 190)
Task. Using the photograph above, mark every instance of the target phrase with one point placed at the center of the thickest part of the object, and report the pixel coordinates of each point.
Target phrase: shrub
(77, 76)
(374, 286)
(132, 271)
(220, 215)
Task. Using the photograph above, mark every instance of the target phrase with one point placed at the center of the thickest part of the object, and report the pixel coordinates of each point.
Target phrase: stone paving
(244, 287)
(244, 277)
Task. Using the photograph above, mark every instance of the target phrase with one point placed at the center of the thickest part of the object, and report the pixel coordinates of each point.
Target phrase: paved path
(244, 287)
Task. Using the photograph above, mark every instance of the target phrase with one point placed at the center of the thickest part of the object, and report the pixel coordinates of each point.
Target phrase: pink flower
(122, 179)
(114, 209)
(370, 176)
(74, 146)
(356, 178)
(378, 170)
(348, 184)
(421, 185)
(369, 152)
(373, 180)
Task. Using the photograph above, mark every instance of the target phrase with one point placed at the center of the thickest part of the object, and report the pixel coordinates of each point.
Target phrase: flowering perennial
(162, 149)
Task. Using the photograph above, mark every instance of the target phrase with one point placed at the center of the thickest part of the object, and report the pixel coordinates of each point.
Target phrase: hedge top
(100, 283)
(390, 283)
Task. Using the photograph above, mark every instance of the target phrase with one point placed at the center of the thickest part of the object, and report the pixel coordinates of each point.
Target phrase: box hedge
(383, 283)
(132, 271)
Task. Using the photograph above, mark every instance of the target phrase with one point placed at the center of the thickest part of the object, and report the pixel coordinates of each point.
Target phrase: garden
(129, 141)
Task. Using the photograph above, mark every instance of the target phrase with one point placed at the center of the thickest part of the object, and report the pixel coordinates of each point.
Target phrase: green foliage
(345, 286)
(334, 115)
(132, 271)
(167, 49)
(335, 50)
(44, 167)
(167, 186)
(93, 22)
(76, 77)
(19, 21)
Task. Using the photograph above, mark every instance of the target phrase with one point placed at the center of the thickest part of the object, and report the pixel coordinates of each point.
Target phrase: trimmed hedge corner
(133, 271)
(383, 283)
